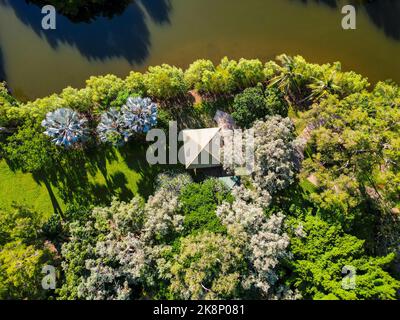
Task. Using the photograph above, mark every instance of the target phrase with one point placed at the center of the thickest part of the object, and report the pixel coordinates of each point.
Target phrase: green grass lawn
(23, 190)
(92, 179)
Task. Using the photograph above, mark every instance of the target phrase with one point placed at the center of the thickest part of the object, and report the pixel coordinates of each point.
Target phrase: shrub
(322, 250)
(22, 255)
(249, 106)
(5, 97)
(195, 74)
(271, 69)
(165, 82)
(276, 102)
(263, 243)
(104, 255)
(199, 202)
(221, 80)
(6, 102)
(34, 111)
(28, 149)
(105, 90)
(79, 100)
(248, 73)
(208, 266)
(134, 84)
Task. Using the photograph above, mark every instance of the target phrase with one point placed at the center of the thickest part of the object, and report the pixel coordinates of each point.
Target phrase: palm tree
(139, 115)
(66, 127)
(288, 81)
(110, 128)
(321, 88)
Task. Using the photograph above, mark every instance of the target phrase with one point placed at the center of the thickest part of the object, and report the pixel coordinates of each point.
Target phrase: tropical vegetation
(323, 197)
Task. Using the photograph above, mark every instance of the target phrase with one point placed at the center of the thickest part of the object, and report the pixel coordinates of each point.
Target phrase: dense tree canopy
(22, 255)
(323, 194)
(320, 253)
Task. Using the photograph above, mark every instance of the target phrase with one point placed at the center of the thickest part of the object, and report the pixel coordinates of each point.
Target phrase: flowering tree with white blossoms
(263, 242)
(105, 255)
(276, 157)
(161, 210)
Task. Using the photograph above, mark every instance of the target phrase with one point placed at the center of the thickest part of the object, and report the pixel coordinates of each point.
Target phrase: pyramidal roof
(197, 142)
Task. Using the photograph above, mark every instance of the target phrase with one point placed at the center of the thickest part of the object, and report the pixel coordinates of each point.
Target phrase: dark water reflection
(88, 10)
(384, 14)
(124, 36)
(132, 34)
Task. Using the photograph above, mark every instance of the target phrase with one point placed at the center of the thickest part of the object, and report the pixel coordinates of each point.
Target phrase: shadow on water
(383, 14)
(329, 3)
(126, 35)
(86, 11)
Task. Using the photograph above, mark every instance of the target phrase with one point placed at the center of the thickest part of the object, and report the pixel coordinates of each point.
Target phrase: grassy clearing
(22, 189)
(93, 179)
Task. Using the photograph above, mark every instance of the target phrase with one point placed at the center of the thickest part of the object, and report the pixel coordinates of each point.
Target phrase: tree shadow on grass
(134, 155)
(73, 175)
(82, 177)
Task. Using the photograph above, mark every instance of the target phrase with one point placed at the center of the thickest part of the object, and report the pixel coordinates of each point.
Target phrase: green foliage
(288, 79)
(107, 91)
(255, 104)
(197, 73)
(355, 151)
(5, 97)
(134, 83)
(276, 102)
(208, 266)
(227, 77)
(22, 255)
(79, 100)
(250, 106)
(33, 111)
(103, 255)
(19, 224)
(165, 82)
(6, 102)
(222, 80)
(248, 73)
(322, 250)
(20, 271)
(301, 81)
(199, 202)
(29, 149)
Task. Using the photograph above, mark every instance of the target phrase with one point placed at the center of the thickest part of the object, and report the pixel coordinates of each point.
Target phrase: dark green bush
(249, 106)
(255, 103)
(199, 203)
(276, 102)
